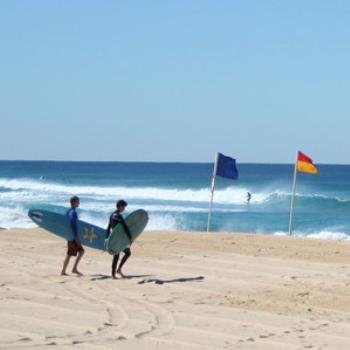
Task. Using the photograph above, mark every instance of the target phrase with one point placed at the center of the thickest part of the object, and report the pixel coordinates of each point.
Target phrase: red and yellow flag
(305, 164)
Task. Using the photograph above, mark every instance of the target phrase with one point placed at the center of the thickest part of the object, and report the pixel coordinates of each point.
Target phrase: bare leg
(65, 264)
(75, 267)
(114, 265)
(126, 256)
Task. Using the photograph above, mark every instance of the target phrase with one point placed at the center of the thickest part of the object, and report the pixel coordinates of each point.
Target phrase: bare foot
(115, 277)
(77, 272)
(64, 273)
(120, 274)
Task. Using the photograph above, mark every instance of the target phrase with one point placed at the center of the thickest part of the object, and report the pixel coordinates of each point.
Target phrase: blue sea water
(177, 195)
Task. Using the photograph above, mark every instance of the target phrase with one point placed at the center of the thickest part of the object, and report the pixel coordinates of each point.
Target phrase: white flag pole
(292, 202)
(212, 190)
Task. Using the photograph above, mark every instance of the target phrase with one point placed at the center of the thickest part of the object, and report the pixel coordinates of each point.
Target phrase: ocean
(176, 195)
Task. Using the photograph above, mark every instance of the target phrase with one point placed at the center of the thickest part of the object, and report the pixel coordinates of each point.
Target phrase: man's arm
(126, 230)
(108, 230)
(73, 222)
(74, 229)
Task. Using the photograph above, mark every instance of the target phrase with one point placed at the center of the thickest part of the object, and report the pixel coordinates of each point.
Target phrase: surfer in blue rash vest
(74, 246)
(115, 219)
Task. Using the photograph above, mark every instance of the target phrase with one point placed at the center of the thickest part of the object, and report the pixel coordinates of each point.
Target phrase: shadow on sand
(99, 277)
(175, 280)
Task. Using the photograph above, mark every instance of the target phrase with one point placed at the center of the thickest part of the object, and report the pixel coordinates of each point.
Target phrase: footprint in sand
(25, 339)
(319, 327)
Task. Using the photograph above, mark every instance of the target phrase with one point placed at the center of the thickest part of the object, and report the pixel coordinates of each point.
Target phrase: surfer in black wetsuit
(115, 219)
(249, 197)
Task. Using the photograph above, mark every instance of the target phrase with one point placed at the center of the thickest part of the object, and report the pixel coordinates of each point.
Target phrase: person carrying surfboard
(115, 219)
(74, 246)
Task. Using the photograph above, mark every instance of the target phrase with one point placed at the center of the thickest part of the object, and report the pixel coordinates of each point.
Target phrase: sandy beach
(183, 291)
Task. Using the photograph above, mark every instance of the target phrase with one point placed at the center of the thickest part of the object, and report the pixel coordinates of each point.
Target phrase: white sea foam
(31, 190)
(15, 217)
(163, 222)
(107, 207)
(339, 236)
(167, 206)
(323, 234)
(230, 195)
(24, 196)
(156, 221)
(98, 220)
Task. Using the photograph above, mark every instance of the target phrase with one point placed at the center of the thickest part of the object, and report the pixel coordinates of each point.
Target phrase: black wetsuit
(115, 219)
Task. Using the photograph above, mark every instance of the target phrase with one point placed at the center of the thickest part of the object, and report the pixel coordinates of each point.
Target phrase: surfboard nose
(36, 215)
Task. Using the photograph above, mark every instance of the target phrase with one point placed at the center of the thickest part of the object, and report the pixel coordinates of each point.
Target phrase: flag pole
(212, 191)
(292, 202)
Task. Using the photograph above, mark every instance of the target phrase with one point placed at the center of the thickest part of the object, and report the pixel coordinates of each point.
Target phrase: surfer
(249, 197)
(115, 219)
(74, 246)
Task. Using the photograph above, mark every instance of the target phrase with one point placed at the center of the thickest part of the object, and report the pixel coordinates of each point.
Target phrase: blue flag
(226, 167)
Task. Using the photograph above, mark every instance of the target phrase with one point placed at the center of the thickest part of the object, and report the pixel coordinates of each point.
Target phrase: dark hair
(74, 199)
(122, 203)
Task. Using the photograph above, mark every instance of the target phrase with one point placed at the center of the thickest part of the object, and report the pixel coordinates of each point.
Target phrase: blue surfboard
(58, 224)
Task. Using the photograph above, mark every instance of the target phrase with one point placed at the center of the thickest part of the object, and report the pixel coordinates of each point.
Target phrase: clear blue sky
(175, 80)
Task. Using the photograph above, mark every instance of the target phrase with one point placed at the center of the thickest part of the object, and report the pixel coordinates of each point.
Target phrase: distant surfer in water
(74, 246)
(249, 197)
(115, 219)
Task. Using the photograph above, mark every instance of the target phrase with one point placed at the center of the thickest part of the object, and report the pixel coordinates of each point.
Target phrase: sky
(175, 80)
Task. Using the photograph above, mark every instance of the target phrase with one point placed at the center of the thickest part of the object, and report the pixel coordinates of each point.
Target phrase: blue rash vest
(73, 218)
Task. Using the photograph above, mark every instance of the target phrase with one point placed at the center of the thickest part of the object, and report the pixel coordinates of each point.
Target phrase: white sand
(186, 291)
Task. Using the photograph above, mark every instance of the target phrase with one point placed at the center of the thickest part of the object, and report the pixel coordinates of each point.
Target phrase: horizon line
(151, 161)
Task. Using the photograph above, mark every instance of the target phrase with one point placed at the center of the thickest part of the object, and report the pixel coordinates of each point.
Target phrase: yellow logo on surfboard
(90, 234)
